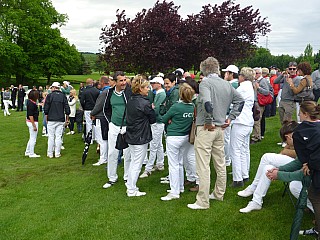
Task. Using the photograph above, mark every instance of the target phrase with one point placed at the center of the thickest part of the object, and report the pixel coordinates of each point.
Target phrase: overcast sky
(294, 24)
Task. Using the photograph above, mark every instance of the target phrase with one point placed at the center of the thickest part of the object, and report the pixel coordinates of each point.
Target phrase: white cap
(157, 80)
(55, 84)
(231, 68)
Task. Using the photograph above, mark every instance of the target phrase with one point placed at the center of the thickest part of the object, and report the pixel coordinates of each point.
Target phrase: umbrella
(301, 205)
(87, 141)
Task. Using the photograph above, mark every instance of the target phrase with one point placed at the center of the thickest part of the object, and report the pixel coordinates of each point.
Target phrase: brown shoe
(194, 189)
(188, 183)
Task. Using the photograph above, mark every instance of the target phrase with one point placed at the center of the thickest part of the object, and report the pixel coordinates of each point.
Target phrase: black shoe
(245, 180)
(254, 141)
(237, 184)
(309, 232)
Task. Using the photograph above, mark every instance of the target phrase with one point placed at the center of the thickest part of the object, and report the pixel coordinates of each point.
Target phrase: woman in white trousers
(139, 117)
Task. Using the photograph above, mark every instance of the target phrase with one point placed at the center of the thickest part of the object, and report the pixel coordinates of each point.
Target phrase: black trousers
(20, 104)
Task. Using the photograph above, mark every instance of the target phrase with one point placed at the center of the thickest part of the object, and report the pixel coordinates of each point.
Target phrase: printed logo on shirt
(187, 115)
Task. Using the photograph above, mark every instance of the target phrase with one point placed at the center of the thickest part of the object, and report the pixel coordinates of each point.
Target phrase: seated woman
(261, 183)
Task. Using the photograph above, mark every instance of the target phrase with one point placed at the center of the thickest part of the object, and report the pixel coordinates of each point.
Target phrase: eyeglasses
(292, 69)
(258, 73)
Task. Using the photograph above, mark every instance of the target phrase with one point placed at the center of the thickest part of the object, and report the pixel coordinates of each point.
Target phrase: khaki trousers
(210, 144)
(286, 109)
(257, 126)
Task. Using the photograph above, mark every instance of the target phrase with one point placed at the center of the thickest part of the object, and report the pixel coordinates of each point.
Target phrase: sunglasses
(292, 68)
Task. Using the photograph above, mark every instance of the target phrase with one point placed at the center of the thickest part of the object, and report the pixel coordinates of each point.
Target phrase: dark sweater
(56, 106)
(32, 110)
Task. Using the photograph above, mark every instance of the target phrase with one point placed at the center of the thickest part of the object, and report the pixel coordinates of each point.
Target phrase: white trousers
(189, 163)
(103, 143)
(32, 138)
(297, 111)
(55, 130)
(295, 189)
(227, 132)
(279, 97)
(138, 154)
(88, 123)
(261, 182)
(113, 154)
(6, 104)
(156, 147)
(176, 151)
(240, 151)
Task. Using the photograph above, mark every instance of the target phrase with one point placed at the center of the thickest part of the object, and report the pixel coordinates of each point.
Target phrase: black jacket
(107, 109)
(21, 93)
(139, 116)
(306, 141)
(56, 106)
(89, 97)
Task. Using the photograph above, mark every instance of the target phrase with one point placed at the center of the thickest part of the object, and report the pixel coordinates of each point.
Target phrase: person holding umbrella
(306, 167)
(140, 115)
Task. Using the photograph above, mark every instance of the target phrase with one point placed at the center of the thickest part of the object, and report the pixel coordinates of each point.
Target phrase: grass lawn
(59, 199)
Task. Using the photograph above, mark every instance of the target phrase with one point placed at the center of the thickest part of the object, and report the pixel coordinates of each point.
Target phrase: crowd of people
(229, 114)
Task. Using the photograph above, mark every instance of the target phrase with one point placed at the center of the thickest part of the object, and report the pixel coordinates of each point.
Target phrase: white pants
(55, 130)
(261, 182)
(138, 153)
(297, 111)
(156, 147)
(295, 189)
(6, 104)
(189, 163)
(113, 154)
(240, 151)
(176, 151)
(88, 123)
(103, 143)
(227, 132)
(279, 97)
(32, 138)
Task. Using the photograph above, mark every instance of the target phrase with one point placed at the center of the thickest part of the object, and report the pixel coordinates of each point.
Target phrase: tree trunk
(49, 78)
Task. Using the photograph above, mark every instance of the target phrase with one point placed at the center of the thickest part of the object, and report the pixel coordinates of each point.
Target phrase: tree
(160, 40)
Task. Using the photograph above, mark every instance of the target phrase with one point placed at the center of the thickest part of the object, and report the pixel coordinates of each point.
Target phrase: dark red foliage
(158, 39)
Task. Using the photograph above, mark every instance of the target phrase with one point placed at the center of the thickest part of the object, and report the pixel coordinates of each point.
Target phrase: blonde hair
(186, 92)
(248, 73)
(74, 93)
(138, 82)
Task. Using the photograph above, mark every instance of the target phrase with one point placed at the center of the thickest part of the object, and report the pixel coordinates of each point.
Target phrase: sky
(293, 25)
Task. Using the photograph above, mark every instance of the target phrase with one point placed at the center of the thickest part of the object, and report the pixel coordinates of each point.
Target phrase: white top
(73, 107)
(247, 92)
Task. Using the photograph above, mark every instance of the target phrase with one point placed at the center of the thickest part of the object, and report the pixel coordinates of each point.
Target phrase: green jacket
(291, 171)
(159, 98)
(181, 116)
(171, 98)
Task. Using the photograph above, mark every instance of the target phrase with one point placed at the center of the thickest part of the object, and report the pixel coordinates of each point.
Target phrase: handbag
(306, 94)
(192, 134)
(256, 111)
(264, 100)
(121, 142)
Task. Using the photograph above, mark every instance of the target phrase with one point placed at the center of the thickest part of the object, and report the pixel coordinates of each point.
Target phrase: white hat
(180, 70)
(157, 80)
(55, 84)
(231, 68)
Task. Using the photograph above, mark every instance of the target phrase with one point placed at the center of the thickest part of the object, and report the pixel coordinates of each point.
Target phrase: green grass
(59, 199)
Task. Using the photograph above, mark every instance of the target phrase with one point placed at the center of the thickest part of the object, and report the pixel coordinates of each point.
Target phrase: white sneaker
(57, 155)
(72, 132)
(145, 174)
(284, 144)
(212, 197)
(62, 148)
(164, 178)
(26, 154)
(97, 164)
(195, 206)
(108, 184)
(68, 133)
(169, 191)
(165, 182)
(45, 135)
(34, 156)
(136, 194)
(246, 192)
(170, 197)
(49, 156)
(251, 207)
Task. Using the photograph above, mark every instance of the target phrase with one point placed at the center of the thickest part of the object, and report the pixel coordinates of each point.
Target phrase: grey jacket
(214, 100)
(316, 79)
(97, 111)
(287, 94)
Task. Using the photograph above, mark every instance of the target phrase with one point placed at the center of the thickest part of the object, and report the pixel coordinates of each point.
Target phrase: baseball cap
(157, 80)
(231, 68)
(55, 84)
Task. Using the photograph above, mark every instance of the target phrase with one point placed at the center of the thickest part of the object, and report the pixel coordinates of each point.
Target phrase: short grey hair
(258, 69)
(248, 73)
(209, 66)
(273, 72)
